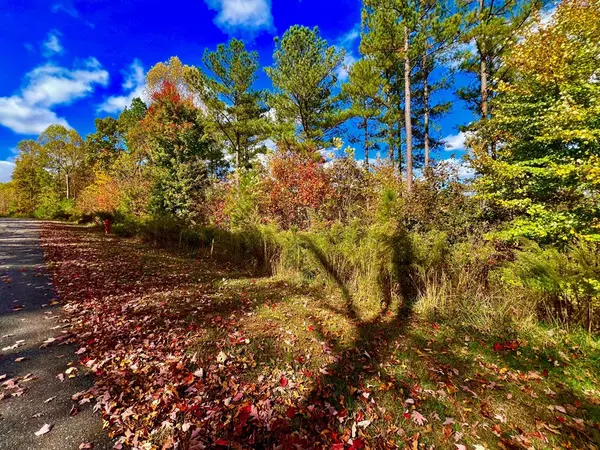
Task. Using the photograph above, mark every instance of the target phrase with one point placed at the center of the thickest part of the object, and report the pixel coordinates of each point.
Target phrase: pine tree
(492, 28)
(393, 23)
(438, 32)
(363, 91)
(304, 78)
(235, 112)
(381, 44)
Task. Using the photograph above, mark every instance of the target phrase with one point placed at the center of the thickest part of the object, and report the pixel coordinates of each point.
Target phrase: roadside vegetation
(265, 288)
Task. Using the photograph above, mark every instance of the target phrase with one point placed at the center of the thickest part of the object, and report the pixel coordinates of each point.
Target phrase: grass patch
(311, 365)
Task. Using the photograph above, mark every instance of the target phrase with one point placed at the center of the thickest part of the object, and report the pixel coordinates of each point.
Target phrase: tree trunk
(68, 181)
(407, 114)
(483, 72)
(391, 149)
(484, 89)
(367, 143)
(426, 111)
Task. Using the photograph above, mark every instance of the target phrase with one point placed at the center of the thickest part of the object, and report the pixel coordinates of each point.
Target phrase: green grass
(382, 366)
(386, 369)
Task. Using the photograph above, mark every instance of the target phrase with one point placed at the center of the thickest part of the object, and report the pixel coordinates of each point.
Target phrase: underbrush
(312, 357)
(381, 266)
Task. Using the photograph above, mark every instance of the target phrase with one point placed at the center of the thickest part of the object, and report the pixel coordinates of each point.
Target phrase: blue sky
(71, 61)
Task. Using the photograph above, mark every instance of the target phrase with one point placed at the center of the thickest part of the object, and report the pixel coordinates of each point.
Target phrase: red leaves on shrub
(298, 186)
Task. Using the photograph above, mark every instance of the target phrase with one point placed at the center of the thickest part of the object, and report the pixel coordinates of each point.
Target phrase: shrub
(563, 284)
(296, 188)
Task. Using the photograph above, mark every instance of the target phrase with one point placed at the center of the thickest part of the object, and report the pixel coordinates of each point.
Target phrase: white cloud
(66, 7)
(6, 170)
(455, 141)
(350, 37)
(52, 46)
(462, 167)
(347, 42)
(342, 72)
(133, 86)
(29, 111)
(547, 14)
(23, 118)
(51, 85)
(247, 15)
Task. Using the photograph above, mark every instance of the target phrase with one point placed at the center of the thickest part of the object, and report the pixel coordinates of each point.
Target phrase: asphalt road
(27, 319)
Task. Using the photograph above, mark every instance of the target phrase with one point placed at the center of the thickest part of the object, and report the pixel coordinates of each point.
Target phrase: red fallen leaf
(283, 382)
(498, 346)
(291, 412)
(311, 328)
(280, 425)
(357, 444)
(238, 397)
(222, 443)
(435, 326)
(407, 415)
(545, 373)
(561, 419)
(73, 411)
(189, 379)
(244, 414)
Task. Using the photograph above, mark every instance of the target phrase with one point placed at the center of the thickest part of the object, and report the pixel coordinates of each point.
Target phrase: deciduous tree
(545, 174)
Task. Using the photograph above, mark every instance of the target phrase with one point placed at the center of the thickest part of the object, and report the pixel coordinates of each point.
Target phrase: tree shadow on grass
(341, 383)
(187, 294)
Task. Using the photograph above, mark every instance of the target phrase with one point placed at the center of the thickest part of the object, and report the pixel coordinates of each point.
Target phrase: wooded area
(397, 256)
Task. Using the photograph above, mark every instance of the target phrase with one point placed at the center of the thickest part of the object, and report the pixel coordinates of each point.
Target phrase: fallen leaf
(45, 429)
(364, 423)
(418, 418)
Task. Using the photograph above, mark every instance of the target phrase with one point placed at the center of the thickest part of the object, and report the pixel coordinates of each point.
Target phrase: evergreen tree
(363, 91)
(396, 21)
(304, 77)
(181, 151)
(492, 28)
(235, 111)
(438, 32)
(381, 43)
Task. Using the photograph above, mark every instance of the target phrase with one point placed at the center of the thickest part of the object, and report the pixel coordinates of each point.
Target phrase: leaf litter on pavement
(193, 352)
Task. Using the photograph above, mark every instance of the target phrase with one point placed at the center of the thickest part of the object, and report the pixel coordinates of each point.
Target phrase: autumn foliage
(297, 187)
